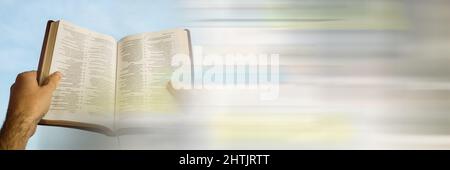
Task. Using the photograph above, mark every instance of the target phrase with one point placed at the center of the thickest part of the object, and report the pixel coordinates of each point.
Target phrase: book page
(143, 71)
(87, 61)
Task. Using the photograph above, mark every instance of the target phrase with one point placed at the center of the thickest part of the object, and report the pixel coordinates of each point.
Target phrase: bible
(110, 85)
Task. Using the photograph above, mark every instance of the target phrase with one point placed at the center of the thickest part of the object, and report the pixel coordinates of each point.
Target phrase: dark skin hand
(28, 103)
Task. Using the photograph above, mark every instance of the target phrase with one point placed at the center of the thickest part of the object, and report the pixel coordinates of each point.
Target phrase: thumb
(52, 81)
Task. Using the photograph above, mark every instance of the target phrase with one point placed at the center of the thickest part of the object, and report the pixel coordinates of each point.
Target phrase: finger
(12, 87)
(52, 81)
(28, 75)
(170, 88)
(179, 94)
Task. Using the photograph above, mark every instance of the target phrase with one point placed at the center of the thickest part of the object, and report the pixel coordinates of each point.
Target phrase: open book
(107, 84)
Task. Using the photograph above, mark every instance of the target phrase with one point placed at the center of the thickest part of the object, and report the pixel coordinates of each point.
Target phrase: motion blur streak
(353, 73)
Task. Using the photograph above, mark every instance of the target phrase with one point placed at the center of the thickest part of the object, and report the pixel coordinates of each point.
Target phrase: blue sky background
(22, 26)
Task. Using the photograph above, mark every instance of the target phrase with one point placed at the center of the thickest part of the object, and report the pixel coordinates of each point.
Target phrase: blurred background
(354, 74)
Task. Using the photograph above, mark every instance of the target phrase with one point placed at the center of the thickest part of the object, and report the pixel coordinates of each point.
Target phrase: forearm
(16, 133)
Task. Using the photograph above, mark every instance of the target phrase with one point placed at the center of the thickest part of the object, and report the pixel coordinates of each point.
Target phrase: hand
(28, 103)
(180, 95)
